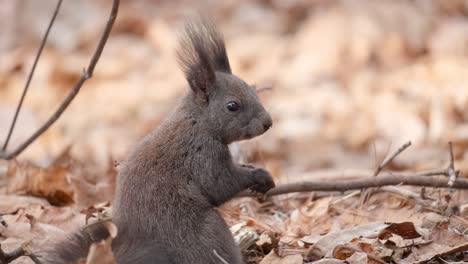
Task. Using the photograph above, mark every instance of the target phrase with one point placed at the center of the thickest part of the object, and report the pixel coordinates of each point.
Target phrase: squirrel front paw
(262, 181)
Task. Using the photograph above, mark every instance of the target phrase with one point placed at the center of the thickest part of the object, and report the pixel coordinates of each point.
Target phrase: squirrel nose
(267, 124)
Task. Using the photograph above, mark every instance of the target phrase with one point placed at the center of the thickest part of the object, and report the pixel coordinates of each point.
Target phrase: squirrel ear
(201, 52)
(194, 59)
(198, 72)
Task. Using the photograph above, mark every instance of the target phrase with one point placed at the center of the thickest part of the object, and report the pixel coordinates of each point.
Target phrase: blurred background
(352, 80)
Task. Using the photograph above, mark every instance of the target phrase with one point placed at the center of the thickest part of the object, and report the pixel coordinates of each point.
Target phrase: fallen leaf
(405, 230)
(50, 183)
(329, 261)
(272, 258)
(325, 245)
(357, 258)
(445, 241)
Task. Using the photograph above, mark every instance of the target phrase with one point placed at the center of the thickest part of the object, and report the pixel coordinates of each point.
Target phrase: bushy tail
(75, 246)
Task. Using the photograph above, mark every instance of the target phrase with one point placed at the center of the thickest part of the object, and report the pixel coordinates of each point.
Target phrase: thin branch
(423, 178)
(88, 73)
(405, 193)
(389, 159)
(367, 193)
(452, 173)
(388, 179)
(31, 74)
(384, 180)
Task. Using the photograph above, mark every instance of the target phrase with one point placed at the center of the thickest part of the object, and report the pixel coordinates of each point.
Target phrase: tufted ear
(201, 53)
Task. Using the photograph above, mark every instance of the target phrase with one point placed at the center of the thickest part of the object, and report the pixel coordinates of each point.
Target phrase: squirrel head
(227, 105)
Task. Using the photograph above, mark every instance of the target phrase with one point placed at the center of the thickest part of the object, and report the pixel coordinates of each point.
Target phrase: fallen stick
(383, 180)
(423, 179)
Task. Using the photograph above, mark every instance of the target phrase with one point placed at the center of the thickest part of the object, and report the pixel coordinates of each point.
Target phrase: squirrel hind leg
(75, 246)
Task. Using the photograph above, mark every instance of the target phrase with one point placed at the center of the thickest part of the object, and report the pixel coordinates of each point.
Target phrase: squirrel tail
(75, 246)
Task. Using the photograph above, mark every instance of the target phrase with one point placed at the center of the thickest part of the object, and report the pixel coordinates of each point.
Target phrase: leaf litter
(351, 80)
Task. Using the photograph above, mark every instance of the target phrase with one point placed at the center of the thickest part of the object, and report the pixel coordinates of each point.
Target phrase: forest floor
(352, 82)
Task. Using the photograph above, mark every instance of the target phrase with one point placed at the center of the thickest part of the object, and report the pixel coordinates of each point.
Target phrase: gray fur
(168, 188)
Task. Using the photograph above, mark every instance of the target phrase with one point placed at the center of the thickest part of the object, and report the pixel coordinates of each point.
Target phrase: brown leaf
(329, 261)
(87, 194)
(11, 203)
(357, 258)
(50, 183)
(267, 241)
(326, 244)
(445, 241)
(405, 229)
(273, 258)
(343, 252)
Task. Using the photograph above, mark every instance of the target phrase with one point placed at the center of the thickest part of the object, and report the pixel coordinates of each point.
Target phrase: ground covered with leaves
(352, 81)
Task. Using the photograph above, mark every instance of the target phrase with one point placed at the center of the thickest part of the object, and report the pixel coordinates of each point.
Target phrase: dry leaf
(272, 258)
(357, 258)
(324, 246)
(445, 241)
(329, 261)
(50, 183)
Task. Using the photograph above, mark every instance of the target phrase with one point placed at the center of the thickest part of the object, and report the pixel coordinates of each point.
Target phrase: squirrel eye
(233, 106)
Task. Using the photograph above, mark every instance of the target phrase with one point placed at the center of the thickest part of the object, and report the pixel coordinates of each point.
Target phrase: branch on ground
(447, 179)
(384, 180)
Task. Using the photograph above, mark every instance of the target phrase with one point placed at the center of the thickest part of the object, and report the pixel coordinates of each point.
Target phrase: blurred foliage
(352, 80)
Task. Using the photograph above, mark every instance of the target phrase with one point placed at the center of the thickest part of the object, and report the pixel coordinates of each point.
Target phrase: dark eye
(233, 106)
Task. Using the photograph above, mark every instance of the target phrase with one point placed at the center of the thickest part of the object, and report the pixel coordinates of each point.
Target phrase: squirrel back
(173, 180)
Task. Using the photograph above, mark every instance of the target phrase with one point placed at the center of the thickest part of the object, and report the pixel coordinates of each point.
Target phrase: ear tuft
(201, 52)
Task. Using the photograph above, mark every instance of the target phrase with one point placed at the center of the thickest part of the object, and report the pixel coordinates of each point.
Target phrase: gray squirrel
(168, 188)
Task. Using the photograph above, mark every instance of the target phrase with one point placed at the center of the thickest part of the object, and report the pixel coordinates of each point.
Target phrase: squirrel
(173, 180)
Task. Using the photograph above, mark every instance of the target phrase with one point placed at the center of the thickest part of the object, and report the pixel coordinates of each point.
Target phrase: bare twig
(345, 197)
(405, 193)
(452, 173)
(31, 74)
(88, 73)
(367, 193)
(389, 159)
